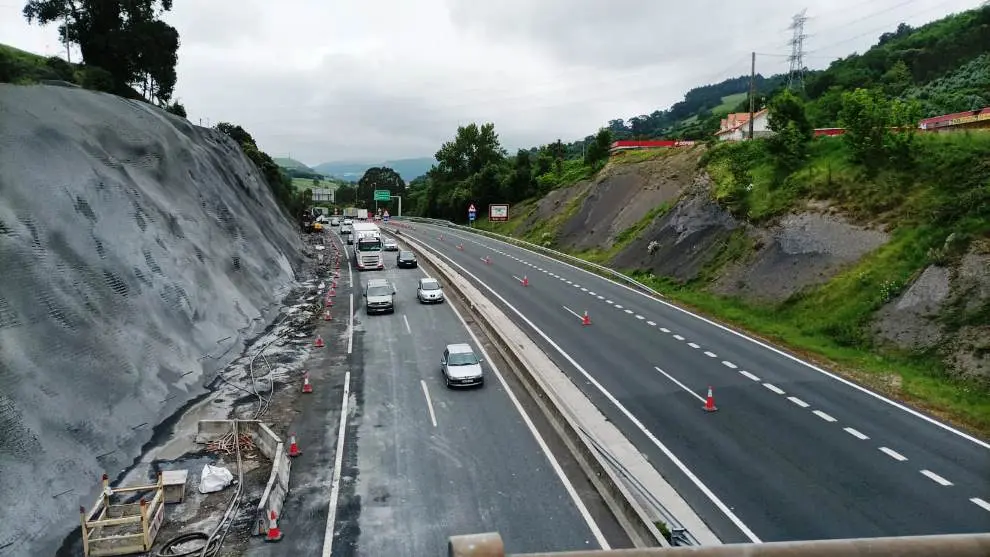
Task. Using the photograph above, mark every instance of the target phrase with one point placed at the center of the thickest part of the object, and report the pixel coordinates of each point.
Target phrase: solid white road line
(856, 433)
(406, 321)
(350, 325)
(936, 478)
(338, 460)
(893, 454)
(748, 375)
(981, 503)
(429, 402)
(572, 312)
(764, 345)
(679, 384)
(350, 272)
(611, 398)
(798, 401)
(774, 388)
(592, 525)
(823, 415)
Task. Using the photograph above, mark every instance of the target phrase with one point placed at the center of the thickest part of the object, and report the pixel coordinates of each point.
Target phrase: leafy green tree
(897, 79)
(126, 38)
(278, 182)
(792, 131)
(379, 178)
(871, 121)
(597, 151)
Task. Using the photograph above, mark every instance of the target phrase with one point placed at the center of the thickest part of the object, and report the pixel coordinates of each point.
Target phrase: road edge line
(338, 461)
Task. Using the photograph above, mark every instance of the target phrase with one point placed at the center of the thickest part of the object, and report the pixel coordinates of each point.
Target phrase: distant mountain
(352, 171)
(291, 163)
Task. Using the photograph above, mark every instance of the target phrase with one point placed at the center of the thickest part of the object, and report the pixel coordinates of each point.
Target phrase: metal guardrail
(957, 545)
(600, 269)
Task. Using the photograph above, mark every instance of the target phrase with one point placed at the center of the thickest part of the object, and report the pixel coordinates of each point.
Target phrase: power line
(796, 71)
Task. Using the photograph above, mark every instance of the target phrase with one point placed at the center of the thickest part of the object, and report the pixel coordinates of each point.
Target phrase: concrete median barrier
(574, 417)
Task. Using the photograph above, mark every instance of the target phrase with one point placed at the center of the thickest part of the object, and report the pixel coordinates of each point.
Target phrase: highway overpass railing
(956, 545)
(567, 258)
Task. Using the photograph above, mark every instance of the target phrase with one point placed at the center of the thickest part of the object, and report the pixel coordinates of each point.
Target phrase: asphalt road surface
(432, 462)
(792, 452)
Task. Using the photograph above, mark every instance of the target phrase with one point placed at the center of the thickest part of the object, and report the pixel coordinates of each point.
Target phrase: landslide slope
(137, 254)
(838, 267)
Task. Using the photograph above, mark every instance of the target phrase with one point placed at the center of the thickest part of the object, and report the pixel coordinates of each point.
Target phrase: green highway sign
(383, 195)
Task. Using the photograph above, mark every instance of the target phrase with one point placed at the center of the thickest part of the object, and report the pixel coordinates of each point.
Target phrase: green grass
(729, 103)
(624, 238)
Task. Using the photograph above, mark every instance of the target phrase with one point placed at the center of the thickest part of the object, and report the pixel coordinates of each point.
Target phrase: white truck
(368, 248)
(362, 214)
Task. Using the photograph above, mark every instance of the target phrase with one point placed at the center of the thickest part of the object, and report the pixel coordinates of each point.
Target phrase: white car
(429, 291)
(389, 244)
(348, 222)
(461, 367)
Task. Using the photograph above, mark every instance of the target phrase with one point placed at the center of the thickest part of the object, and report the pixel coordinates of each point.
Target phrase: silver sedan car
(461, 367)
(429, 291)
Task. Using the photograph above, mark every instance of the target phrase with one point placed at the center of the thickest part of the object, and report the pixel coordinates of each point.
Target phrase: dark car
(406, 259)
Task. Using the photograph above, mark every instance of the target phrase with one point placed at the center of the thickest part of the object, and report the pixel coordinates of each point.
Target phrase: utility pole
(752, 93)
(65, 36)
(796, 73)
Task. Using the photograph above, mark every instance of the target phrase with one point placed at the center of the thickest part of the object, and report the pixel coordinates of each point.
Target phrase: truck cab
(368, 247)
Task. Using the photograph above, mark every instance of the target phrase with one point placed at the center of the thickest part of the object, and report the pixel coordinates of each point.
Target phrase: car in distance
(379, 297)
(461, 367)
(429, 291)
(406, 259)
(390, 244)
(335, 221)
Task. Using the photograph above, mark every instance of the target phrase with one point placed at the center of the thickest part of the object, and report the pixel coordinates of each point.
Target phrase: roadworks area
(261, 391)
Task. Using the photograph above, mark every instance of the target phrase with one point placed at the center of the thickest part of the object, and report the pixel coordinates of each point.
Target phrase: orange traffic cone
(329, 302)
(274, 533)
(488, 260)
(710, 401)
(293, 446)
(525, 280)
(326, 316)
(585, 320)
(460, 247)
(319, 342)
(332, 292)
(307, 388)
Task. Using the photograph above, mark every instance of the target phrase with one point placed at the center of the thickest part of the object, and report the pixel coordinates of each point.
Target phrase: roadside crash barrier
(270, 445)
(630, 514)
(957, 545)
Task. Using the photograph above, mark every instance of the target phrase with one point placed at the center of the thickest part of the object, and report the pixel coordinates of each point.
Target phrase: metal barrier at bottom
(956, 545)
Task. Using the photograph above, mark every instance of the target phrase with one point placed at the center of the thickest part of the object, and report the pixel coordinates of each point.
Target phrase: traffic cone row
(327, 316)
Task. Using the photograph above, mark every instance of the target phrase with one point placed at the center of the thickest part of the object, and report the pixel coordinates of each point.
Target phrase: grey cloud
(626, 33)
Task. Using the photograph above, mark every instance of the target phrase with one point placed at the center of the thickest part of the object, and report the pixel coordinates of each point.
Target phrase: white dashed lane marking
(651, 323)
(693, 345)
(729, 364)
(823, 415)
(711, 354)
(856, 433)
(749, 375)
(980, 503)
(774, 388)
(678, 337)
(936, 478)
(798, 401)
(893, 454)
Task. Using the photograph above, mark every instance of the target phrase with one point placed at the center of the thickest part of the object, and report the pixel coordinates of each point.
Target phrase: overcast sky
(368, 81)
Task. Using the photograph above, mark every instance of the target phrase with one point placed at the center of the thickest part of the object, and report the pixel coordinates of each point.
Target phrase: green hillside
(291, 163)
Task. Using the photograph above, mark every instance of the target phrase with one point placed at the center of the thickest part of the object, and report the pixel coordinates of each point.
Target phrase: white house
(735, 126)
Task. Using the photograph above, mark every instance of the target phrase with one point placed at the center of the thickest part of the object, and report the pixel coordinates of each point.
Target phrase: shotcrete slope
(137, 254)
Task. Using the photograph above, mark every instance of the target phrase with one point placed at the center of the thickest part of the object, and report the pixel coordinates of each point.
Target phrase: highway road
(432, 462)
(792, 452)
